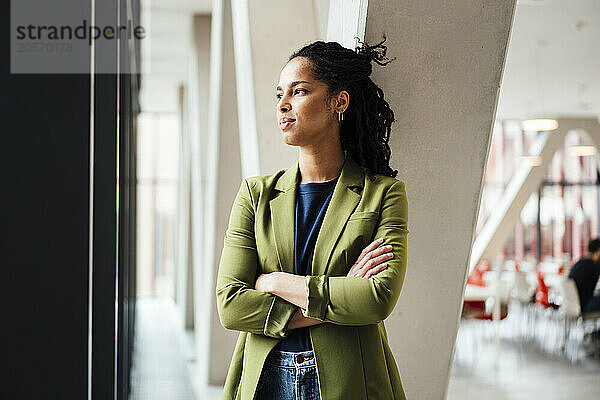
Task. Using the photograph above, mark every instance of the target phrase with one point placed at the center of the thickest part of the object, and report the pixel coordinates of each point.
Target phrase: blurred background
(491, 314)
(527, 346)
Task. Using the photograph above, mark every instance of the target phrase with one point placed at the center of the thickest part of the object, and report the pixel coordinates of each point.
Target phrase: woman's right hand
(371, 260)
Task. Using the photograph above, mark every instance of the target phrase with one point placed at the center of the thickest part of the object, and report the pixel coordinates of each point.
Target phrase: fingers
(372, 254)
(371, 259)
(370, 247)
(375, 270)
(377, 252)
(374, 262)
(361, 258)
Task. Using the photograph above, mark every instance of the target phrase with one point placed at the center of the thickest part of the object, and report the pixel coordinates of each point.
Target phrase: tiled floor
(511, 369)
(201, 391)
(482, 368)
(159, 368)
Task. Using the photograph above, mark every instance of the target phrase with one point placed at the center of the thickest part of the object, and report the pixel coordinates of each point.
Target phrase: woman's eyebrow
(293, 84)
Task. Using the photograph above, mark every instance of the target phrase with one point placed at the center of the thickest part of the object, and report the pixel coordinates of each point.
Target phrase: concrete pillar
(322, 17)
(183, 265)
(221, 175)
(266, 33)
(347, 20)
(443, 87)
(242, 127)
(210, 83)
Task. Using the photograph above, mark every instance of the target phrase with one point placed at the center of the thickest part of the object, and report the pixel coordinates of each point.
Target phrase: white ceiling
(552, 66)
(564, 36)
(165, 53)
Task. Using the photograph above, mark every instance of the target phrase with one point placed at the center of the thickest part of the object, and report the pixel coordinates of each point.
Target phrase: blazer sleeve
(239, 305)
(362, 301)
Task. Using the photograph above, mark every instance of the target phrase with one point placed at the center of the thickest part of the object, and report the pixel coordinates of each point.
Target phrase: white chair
(521, 291)
(521, 314)
(570, 307)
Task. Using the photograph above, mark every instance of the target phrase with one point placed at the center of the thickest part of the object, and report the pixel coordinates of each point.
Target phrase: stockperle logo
(67, 36)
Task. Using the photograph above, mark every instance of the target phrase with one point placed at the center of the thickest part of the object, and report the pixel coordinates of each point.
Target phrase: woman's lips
(286, 124)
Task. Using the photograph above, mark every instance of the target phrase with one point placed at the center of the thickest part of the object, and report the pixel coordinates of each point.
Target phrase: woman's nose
(283, 105)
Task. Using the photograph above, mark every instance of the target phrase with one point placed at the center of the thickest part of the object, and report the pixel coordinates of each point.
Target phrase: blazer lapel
(342, 204)
(283, 211)
(283, 214)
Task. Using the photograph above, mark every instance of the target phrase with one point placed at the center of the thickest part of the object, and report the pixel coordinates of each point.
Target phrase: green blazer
(353, 358)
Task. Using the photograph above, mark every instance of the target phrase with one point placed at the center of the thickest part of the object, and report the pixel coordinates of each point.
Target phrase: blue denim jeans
(289, 376)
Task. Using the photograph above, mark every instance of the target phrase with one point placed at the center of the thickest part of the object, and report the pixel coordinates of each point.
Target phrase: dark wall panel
(44, 144)
(44, 221)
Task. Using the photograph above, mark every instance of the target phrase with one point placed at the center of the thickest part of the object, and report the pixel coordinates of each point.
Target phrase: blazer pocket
(364, 215)
(358, 234)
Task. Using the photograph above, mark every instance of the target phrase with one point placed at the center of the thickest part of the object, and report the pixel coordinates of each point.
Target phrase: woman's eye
(278, 95)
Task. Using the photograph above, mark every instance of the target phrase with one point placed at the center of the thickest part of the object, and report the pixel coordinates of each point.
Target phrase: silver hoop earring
(340, 116)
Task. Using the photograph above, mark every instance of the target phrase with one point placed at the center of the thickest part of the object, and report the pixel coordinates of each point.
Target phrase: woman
(300, 274)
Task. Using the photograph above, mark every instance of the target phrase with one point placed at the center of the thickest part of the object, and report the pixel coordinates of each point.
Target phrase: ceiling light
(582, 151)
(541, 124)
(534, 161)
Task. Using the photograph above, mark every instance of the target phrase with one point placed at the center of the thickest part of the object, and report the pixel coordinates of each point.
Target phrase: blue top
(311, 204)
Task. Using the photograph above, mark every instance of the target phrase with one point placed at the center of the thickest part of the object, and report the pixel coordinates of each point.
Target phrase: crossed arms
(278, 302)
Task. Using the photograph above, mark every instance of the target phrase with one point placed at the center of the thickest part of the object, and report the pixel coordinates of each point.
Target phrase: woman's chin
(289, 139)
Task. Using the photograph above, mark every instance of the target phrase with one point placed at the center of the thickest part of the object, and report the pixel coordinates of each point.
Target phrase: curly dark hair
(365, 129)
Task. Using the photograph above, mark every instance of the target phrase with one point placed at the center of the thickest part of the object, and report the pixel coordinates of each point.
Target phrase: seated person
(585, 273)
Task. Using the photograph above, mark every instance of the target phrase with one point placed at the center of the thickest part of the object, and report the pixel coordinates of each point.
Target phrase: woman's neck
(321, 166)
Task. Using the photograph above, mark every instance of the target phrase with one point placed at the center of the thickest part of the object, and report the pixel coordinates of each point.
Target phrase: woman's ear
(341, 101)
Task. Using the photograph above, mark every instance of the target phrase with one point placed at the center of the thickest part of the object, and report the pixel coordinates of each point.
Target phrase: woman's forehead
(296, 67)
(295, 70)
